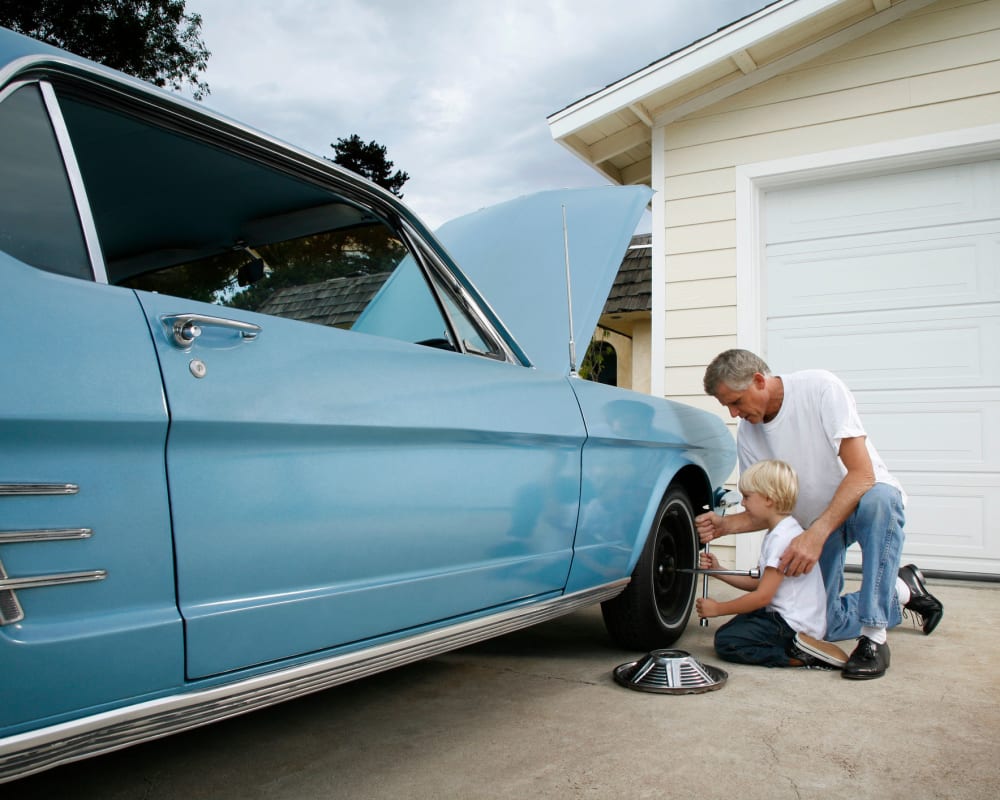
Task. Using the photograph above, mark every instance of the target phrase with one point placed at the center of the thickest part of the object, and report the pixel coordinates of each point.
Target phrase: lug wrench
(726, 501)
(742, 573)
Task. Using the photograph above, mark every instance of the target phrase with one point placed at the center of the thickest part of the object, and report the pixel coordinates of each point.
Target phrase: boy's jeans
(877, 526)
(759, 637)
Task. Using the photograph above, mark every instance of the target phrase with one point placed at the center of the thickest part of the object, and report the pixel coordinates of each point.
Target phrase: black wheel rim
(675, 549)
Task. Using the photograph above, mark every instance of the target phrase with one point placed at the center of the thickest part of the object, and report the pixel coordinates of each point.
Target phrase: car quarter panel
(637, 446)
(82, 404)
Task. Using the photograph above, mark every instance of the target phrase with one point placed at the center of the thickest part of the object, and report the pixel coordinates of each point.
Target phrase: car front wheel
(653, 610)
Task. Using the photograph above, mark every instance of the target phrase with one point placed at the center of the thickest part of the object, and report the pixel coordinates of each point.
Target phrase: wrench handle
(704, 593)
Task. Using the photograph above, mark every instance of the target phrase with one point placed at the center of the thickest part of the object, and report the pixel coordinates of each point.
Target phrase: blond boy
(781, 620)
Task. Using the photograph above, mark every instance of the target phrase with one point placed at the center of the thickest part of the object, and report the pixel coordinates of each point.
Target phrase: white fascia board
(684, 63)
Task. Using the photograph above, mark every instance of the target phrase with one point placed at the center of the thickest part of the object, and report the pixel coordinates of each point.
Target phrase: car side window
(183, 212)
(38, 217)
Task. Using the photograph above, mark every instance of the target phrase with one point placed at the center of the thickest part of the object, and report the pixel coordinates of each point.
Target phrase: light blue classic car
(262, 433)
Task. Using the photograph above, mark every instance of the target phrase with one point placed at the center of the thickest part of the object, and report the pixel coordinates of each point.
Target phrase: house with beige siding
(827, 177)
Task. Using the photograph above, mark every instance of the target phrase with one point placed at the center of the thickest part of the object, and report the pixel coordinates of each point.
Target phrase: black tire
(653, 610)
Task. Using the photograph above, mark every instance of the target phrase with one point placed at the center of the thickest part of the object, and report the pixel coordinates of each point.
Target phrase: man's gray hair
(734, 368)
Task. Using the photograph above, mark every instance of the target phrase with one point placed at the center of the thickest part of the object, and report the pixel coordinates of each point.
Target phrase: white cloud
(457, 91)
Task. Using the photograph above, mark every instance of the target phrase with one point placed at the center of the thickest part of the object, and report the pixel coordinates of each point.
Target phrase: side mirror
(251, 272)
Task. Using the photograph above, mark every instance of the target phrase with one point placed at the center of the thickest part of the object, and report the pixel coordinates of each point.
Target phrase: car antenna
(569, 297)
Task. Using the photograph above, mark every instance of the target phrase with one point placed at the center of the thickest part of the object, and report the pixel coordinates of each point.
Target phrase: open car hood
(514, 253)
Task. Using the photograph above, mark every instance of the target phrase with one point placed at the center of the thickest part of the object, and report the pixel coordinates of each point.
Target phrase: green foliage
(151, 39)
(370, 161)
(599, 352)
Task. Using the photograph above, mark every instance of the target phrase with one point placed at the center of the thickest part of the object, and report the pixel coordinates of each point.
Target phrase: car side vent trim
(46, 535)
(27, 489)
(58, 579)
(10, 606)
(11, 610)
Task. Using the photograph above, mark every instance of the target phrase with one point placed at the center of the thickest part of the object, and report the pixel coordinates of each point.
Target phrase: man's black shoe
(869, 660)
(922, 603)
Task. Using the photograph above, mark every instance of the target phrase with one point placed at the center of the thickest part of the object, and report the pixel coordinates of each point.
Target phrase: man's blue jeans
(877, 526)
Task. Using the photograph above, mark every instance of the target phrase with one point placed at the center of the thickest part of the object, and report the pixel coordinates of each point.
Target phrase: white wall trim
(658, 278)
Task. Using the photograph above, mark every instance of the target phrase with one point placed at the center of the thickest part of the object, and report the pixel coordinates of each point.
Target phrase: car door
(329, 486)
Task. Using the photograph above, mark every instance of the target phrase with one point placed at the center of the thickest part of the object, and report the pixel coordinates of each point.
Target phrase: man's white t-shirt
(801, 601)
(817, 412)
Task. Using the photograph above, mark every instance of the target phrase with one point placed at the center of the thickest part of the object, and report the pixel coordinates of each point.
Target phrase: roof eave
(634, 88)
(632, 92)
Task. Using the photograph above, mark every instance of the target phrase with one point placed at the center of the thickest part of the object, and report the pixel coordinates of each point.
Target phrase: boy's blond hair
(774, 480)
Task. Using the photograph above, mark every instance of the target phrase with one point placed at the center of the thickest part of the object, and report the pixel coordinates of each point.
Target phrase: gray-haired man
(809, 420)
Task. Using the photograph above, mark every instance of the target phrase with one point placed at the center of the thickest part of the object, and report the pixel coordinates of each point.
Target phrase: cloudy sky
(457, 90)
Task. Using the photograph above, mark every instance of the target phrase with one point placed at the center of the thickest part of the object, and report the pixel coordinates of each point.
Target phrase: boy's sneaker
(817, 653)
(922, 603)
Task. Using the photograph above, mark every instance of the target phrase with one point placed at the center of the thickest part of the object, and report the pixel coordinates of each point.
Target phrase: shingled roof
(339, 301)
(336, 302)
(633, 286)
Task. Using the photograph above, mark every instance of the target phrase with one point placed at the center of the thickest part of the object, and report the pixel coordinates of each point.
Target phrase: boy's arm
(764, 592)
(742, 582)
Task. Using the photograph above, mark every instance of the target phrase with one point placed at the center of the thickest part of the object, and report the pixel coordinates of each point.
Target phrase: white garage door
(893, 283)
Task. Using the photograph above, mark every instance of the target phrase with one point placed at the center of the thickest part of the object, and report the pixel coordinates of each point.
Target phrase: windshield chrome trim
(100, 271)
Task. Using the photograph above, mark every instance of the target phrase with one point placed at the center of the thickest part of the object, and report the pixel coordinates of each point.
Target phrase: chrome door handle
(185, 328)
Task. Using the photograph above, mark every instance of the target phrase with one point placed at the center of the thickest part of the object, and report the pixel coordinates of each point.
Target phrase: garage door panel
(917, 272)
(934, 430)
(949, 521)
(882, 203)
(945, 348)
(951, 515)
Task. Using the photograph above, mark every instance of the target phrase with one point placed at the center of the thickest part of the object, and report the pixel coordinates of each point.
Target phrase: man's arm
(711, 526)
(804, 550)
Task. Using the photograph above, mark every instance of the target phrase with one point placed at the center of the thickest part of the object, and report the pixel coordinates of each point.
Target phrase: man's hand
(709, 526)
(802, 553)
(707, 607)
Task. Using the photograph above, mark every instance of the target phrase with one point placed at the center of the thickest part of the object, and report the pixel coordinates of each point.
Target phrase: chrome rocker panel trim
(33, 751)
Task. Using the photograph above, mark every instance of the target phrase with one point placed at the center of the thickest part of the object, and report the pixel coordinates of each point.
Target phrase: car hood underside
(515, 253)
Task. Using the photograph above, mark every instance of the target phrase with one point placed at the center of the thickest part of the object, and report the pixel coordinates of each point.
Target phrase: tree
(151, 39)
(369, 161)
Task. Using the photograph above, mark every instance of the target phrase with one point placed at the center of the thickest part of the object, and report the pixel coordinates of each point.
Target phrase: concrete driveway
(537, 714)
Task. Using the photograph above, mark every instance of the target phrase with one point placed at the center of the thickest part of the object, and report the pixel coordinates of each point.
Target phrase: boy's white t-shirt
(817, 412)
(801, 601)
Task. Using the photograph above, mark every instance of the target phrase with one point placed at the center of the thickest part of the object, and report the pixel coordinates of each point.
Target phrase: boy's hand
(708, 561)
(707, 607)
